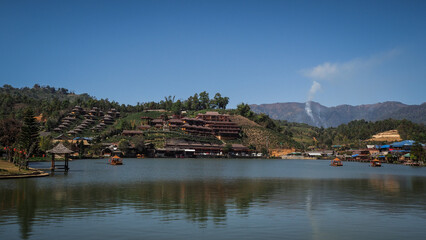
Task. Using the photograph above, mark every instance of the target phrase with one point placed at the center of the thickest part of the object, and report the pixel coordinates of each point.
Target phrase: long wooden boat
(336, 162)
(375, 163)
(116, 160)
(411, 163)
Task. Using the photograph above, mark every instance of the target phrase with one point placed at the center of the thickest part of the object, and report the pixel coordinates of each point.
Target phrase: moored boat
(412, 163)
(116, 160)
(375, 163)
(336, 162)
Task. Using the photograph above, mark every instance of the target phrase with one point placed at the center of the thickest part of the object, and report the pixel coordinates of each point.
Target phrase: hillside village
(197, 127)
(212, 127)
(216, 130)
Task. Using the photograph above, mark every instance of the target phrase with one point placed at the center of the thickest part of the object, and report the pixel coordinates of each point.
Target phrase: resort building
(131, 132)
(221, 125)
(182, 148)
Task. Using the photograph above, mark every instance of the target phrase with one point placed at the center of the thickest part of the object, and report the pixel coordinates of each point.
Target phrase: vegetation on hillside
(269, 132)
(354, 133)
(18, 106)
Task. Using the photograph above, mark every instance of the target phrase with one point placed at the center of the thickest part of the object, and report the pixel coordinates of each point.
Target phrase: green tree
(177, 107)
(28, 139)
(219, 101)
(124, 145)
(244, 110)
(418, 153)
(223, 102)
(81, 148)
(204, 100)
(227, 148)
(45, 143)
(196, 103)
(139, 143)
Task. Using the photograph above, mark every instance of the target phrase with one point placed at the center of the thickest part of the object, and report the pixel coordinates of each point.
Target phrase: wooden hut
(60, 149)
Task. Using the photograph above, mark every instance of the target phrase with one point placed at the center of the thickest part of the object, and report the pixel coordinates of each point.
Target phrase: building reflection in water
(201, 201)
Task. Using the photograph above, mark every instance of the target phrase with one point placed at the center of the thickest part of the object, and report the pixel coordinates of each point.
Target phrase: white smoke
(341, 71)
(314, 88)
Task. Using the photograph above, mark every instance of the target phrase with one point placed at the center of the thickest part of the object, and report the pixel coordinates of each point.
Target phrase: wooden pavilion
(60, 149)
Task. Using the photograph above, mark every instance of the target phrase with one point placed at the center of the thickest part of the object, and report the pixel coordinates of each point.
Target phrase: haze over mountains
(334, 116)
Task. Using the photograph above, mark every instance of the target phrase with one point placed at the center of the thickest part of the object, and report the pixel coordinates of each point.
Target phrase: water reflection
(200, 201)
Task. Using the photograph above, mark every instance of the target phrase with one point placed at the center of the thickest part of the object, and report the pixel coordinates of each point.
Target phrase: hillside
(46, 100)
(62, 112)
(335, 116)
(256, 136)
(388, 136)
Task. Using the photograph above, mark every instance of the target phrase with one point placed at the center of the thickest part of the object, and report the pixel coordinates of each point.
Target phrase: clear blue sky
(334, 52)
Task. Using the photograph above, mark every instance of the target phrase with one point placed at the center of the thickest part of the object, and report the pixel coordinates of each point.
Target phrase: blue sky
(333, 52)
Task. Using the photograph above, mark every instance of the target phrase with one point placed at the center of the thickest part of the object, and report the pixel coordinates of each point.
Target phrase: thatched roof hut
(60, 149)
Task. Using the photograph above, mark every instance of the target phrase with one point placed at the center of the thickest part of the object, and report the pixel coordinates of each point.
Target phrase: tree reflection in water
(201, 201)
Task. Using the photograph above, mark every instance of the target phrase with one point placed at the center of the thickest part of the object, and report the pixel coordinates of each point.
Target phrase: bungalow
(146, 120)
(131, 133)
(144, 127)
(362, 155)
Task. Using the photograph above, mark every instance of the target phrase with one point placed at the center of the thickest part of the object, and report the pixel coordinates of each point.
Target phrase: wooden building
(131, 132)
(221, 125)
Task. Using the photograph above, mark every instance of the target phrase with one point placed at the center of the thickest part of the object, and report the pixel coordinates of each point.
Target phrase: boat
(375, 163)
(336, 162)
(411, 163)
(140, 156)
(116, 160)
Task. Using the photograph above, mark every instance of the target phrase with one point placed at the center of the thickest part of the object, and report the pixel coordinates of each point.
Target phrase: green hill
(258, 131)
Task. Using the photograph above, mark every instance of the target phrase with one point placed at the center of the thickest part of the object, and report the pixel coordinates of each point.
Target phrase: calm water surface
(216, 199)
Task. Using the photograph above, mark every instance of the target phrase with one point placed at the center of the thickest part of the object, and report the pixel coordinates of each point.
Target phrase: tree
(204, 100)
(418, 153)
(28, 139)
(219, 101)
(177, 107)
(45, 143)
(223, 102)
(124, 145)
(227, 148)
(244, 110)
(80, 149)
(9, 132)
(139, 143)
(195, 103)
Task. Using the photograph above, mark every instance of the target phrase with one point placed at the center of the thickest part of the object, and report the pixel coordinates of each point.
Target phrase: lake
(216, 199)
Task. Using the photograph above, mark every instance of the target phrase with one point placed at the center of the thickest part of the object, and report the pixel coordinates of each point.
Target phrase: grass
(9, 169)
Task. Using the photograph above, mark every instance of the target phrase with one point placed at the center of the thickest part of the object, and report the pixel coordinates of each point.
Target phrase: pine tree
(28, 139)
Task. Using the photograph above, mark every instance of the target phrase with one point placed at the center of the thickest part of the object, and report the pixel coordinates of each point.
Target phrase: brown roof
(175, 121)
(132, 132)
(193, 119)
(60, 149)
(62, 137)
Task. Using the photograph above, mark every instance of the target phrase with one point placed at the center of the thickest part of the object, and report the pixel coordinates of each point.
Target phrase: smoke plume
(314, 88)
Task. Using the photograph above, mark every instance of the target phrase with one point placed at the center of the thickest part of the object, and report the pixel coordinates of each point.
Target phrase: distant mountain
(334, 116)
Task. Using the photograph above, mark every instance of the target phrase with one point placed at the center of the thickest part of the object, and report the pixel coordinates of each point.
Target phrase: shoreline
(10, 171)
(27, 175)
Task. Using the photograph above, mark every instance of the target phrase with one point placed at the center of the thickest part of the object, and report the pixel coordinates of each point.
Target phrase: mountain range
(322, 116)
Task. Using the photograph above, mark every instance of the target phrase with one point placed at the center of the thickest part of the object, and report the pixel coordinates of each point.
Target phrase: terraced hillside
(259, 137)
